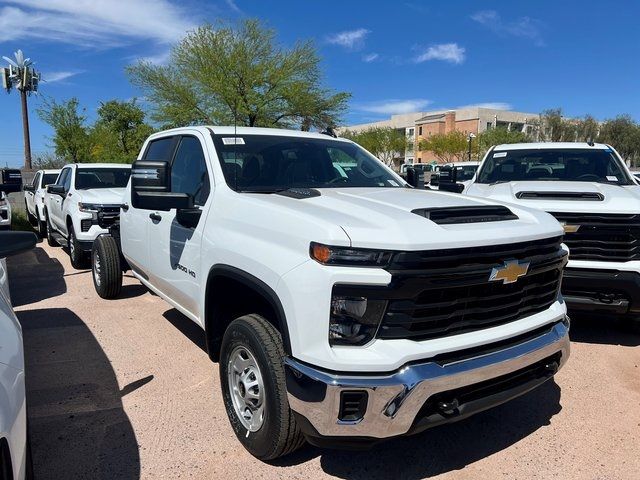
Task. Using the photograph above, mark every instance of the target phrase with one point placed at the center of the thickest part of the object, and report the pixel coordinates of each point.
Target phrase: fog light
(354, 320)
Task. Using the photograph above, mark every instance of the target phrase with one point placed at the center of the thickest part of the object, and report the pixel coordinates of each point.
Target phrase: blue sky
(393, 56)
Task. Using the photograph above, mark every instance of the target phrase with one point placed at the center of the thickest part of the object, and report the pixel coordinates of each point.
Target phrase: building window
(489, 125)
(411, 132)
(419, 130)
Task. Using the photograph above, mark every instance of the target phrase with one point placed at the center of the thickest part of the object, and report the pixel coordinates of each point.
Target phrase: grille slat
(602, 237)
(427, 306)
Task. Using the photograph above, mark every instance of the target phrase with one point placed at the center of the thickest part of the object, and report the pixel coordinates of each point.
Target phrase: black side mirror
(188, 217)
(12, 243)
(28, 188)
(151, 188)
(56, 189)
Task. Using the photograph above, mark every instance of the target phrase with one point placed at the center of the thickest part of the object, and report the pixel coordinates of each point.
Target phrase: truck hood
(383, 218)
(105, 196)
(615, 198)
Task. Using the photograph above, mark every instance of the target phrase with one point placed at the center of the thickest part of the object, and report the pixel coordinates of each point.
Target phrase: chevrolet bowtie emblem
(570, 228)
(509, 272)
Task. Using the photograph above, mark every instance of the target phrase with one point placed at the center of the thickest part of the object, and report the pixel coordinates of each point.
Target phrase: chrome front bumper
(394, 400)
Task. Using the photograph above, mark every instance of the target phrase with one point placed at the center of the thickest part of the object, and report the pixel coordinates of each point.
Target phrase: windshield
(49, 179)
(569, 165)
(465, 172)
(268, 163)
(88, 178)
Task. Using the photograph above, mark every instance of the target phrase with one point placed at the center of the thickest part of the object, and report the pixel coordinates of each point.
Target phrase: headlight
(354, 320)
(91, 208)
(363, 257)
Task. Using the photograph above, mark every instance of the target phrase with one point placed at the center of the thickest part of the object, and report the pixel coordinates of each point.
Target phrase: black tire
(30, 218)
(279, 433)
(41, 226)
(105, 266)
(78, 257)
(51, 241)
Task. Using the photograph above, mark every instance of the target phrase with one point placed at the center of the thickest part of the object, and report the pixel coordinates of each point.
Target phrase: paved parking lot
(124, 389)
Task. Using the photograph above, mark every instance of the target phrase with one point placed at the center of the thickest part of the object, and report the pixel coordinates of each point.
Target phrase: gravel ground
(124, 389)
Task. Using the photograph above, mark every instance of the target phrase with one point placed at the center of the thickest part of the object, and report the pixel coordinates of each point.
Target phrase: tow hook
(552, 367)
(449, 408)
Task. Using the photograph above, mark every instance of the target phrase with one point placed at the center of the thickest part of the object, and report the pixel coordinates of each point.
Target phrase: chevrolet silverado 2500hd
(342, 305)
(84, 197)
(34, 198)
(589, 189)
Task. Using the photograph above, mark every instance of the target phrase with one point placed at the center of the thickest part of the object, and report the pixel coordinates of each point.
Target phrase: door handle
(155, 217)
(124, 207)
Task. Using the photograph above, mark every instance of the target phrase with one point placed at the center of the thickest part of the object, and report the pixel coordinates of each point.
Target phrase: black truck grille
(602, 237)
(107, 216)
(448, 292)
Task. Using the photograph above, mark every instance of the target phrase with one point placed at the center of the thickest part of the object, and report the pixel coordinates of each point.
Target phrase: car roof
(232, 130)
(50, 171)
(102, 165)
(551, 146)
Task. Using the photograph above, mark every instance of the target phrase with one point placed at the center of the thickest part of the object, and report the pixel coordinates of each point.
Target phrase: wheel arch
(215, 319)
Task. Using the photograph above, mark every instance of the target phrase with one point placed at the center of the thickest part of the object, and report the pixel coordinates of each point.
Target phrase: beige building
(473, 120)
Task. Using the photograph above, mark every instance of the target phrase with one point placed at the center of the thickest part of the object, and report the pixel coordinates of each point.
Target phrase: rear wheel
(254, 388)
(41, 225)
(106, 269)
(77, 255)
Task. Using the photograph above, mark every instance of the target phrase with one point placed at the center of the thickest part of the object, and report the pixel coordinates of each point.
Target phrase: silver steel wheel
(96, 268)
(246, 388)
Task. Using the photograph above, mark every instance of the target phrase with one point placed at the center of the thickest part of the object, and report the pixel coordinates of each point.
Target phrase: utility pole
(21, 75)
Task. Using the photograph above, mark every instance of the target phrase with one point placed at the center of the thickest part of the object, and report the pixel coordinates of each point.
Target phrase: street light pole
(470, 138)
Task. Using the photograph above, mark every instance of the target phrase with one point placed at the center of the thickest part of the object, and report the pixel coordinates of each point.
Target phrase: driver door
(175, 248)
(56, 201)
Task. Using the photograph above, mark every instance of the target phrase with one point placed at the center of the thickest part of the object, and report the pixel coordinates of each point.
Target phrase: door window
(189, 171)
(63, 177)
(36, 180)
(67, 181)
(160, 150)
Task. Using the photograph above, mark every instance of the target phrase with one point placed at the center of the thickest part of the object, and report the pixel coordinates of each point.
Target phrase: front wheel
(77, 255)
(254, 388)
(41, 225)
(106, 269)
(51, 241)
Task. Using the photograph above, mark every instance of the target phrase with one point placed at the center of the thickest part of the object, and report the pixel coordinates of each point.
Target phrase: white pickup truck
(34, 198)
(589, 189)
(342, 305)
(15, 461)
(84, 201)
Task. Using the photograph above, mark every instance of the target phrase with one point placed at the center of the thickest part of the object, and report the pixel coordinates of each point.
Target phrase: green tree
(70, 140)
(623, 133)
(587, 129)
(220, 74)
(447, 147)
(385, 143)
(499, 136)
(48, 160)
(119, 131)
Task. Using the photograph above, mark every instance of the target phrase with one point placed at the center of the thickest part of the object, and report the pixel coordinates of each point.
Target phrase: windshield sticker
(233, 141)
(392, 182)
(499, 154)
(612, 178)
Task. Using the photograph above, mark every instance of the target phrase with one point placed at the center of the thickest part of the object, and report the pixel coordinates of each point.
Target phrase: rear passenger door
(175, 248)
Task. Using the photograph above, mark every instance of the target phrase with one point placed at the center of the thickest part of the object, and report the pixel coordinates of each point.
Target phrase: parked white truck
(589, 189)
(84, 197)
(342, 305)
(34, 193)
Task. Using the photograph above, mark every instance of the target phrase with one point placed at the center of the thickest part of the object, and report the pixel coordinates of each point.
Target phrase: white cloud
(233, 6)
(447, 52)
(52, 77)
(158, 59)
(94, 23)
(370, 57)
(523, 27)
(491, 105)
(394, 106)
(351, 39)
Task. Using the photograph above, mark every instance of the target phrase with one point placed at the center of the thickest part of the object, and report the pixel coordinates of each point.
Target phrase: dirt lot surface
(124, 389)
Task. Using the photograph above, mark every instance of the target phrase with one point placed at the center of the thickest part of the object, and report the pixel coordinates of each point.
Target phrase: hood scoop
(473, 214)
(299, 193)
(589, 196)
